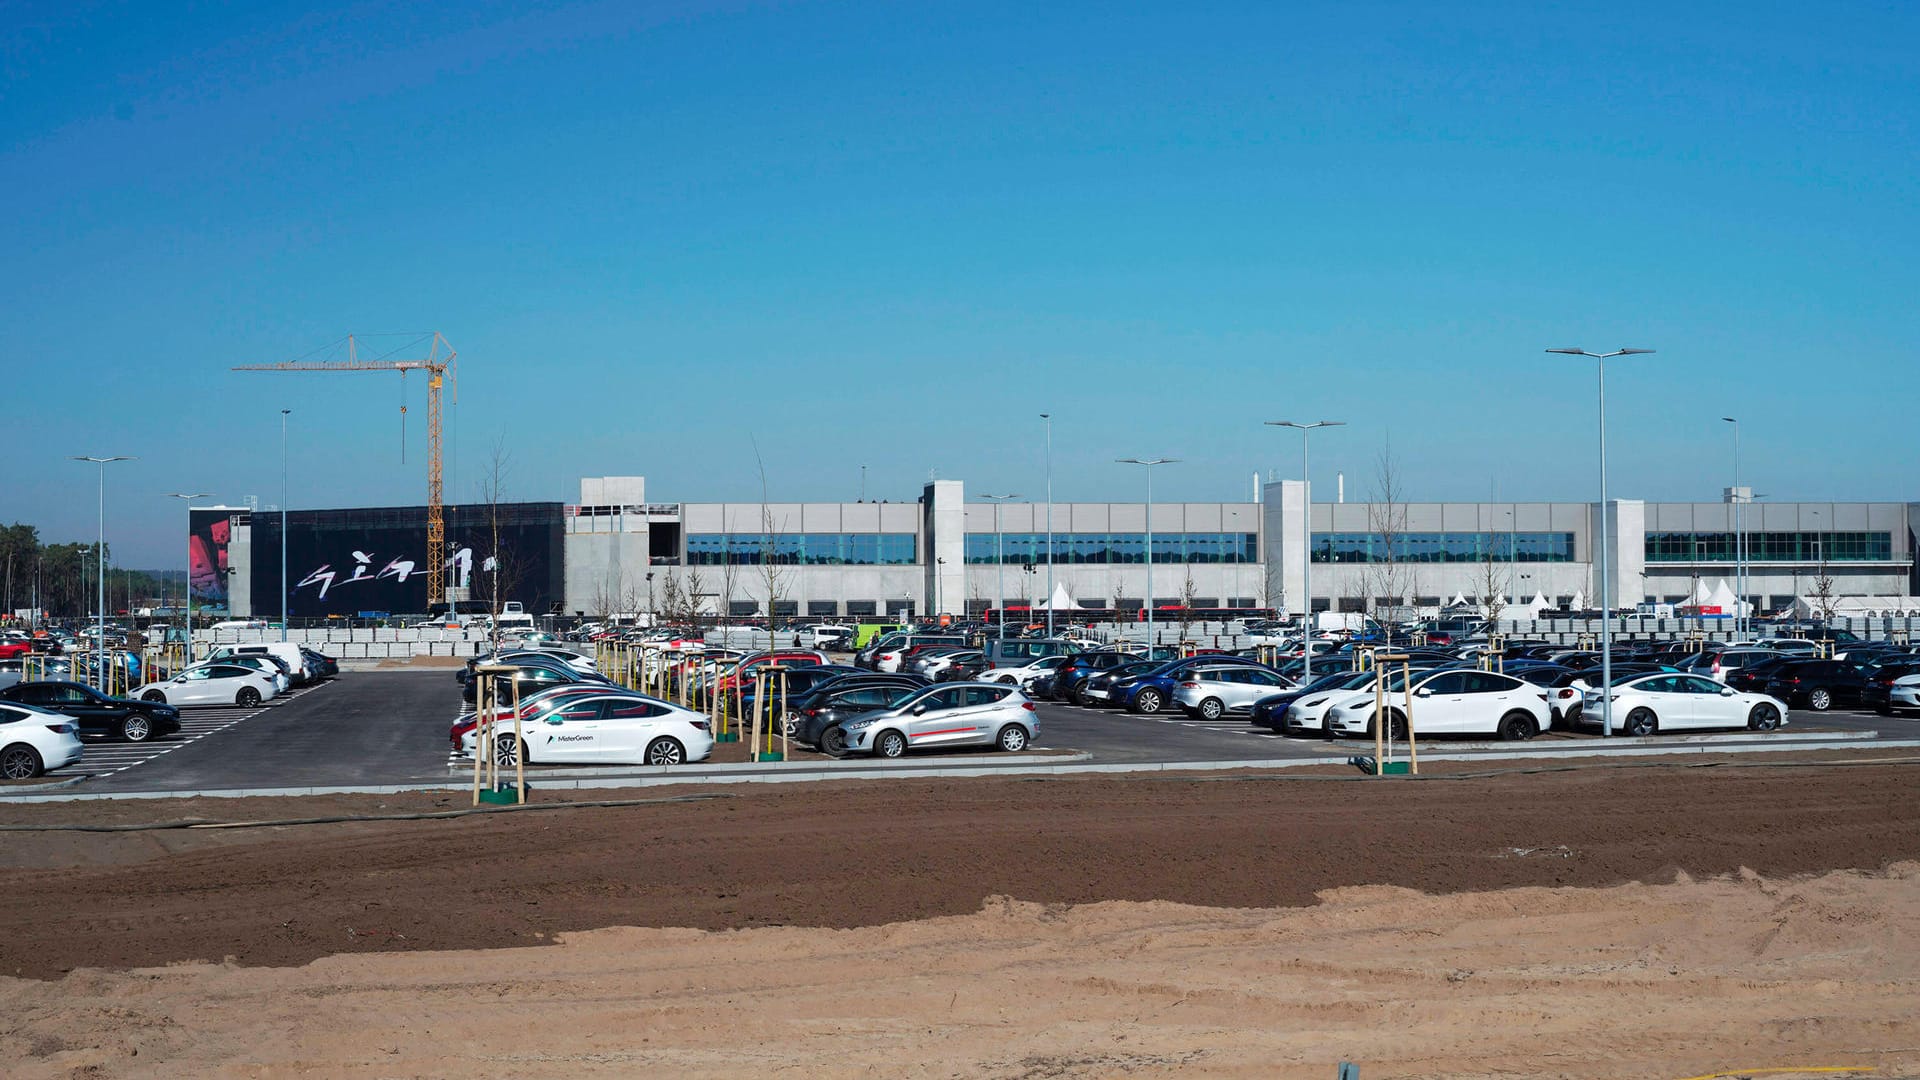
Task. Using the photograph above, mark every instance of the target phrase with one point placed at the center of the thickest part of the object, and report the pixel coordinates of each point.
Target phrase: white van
(287, 652)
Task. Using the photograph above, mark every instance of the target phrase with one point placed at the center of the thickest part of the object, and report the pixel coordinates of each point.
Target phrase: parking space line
(103, 757)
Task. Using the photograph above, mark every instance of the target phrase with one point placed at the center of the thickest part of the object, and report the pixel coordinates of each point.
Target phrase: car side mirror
(919, 710)
(1728, 692)
(1423, 692)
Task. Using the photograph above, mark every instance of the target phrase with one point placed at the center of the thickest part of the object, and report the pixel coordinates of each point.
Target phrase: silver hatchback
(1212, 692)
(950, 714)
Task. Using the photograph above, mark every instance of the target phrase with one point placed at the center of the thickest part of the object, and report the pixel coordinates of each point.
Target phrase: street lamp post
(286, 489)
(1149, 463)
(1000, 561)
(1739, 541)
(1048, 417)
(1306, 570)
(1606, 590)
(189, 589)
(100, 549)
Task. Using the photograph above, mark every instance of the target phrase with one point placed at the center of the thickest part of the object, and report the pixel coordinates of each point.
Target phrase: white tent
(1807, 607)
(1579, 603)
(1701, 594)
(1530, 609)
(1459, 600)
(1722, 597)
(1060, 601)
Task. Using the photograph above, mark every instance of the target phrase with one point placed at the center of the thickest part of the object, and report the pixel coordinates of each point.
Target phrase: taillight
(1027, 705)
(1189, 686)
(60, 729)
(699, 725)
(1566, 693)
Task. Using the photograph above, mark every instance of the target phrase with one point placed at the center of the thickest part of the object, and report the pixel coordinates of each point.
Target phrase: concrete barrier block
(388, 634)
(406, 635)
(353, 651)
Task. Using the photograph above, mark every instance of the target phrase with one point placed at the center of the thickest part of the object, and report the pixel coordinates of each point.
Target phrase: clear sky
(893, 233)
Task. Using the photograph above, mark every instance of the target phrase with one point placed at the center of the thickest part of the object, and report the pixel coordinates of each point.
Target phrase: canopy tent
(1529, 609)
(1701, 594)
(1722, 597)
(1060, 600)
(1459, 600)
(1872, 607)
(1579, 600)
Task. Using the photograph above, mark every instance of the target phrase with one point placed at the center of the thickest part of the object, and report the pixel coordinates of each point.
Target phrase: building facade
(943, 554)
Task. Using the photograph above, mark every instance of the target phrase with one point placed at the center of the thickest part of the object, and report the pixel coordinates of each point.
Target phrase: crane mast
(438, 364)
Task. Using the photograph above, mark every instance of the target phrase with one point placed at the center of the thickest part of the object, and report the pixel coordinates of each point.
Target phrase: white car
(213, 683)
(1902, 693)
(1308, 712)
(606, 729)
(33, 740)
(1025, 674)
(1452, 701)
(1669, 701)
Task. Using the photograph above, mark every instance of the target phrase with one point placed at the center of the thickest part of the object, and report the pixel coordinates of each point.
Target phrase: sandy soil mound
(1671, 980)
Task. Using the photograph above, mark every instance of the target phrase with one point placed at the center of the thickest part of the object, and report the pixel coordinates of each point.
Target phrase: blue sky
(891, 234)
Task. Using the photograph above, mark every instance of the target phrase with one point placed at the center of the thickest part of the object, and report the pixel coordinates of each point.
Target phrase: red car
(14, 648)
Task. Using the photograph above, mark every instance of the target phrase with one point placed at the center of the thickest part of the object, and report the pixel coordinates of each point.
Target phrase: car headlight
(859, 725)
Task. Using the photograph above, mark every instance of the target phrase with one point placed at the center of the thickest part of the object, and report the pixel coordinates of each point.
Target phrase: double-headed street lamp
(100, 548)
(1000, 561)
(189, 590)
(1306, 570)
(1606, 591)
(1149, 463)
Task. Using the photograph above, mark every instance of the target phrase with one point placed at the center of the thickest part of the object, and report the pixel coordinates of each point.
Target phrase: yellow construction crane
(438, 364)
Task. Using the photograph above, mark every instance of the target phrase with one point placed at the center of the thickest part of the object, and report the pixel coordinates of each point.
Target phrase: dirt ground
(1634, 922)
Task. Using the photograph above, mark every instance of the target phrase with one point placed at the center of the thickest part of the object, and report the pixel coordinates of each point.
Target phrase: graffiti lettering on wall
(399, 568)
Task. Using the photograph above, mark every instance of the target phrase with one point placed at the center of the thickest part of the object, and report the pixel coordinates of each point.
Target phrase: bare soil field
(1591, 923)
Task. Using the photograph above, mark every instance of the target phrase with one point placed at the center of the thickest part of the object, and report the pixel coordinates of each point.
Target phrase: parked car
(828, 709)
(1211, 691)
(952, 714)
(1302, 709)
(1892, 687)
(1648, 704)
(1817, 684)
(1024, 675)
(606, 729)
(1452, 701)
(964, 667)
(1719, 665)
(1751, 677)
(1069, 677)
(533, 674)
(98, 714)
(1150, 691)
(213, 683)
(1097, 689)
(34, 740)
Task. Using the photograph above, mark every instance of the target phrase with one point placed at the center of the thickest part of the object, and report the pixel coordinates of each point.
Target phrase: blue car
(1150, 692)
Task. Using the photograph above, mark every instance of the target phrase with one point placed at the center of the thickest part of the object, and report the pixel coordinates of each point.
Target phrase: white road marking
(104, 757)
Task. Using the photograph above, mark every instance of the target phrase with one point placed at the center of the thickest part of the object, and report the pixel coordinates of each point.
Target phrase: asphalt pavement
(361, 728)
(389, 728)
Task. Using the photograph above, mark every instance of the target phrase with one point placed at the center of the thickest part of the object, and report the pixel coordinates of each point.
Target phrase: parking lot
(373, 729)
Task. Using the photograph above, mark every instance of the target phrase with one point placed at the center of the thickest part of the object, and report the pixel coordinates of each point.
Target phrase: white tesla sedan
(1452, 701)
(1669, 701)
(606, 729)
(214, 683)
(33, 740)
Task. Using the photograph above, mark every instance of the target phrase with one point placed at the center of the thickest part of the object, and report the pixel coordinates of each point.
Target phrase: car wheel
(1013, 738)
(666, 751)
(136, 729)
(19, 762)
(153, 695)
(247, 698)
(790, 726)
(506, 751)
(1642, 723)
(1148, 701)
(1764, 717)
(1211, 709)
(1517, 726)
(1397, 726)
(833, 742)
(890, 744)
(1819, 699)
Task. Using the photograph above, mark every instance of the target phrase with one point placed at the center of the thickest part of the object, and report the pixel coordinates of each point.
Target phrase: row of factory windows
(1443, 547)
(1771, 546)
(1112, 549)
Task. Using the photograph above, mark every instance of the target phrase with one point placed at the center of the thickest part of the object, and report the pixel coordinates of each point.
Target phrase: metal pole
(1606, 607)
(1000, 570)
(1149, 562)
(1606, 610)
(1306, 568)
(286, 489)
(100, 550)
(1048, 417)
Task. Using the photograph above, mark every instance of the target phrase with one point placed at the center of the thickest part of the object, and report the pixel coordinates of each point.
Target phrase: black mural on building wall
(349, 562)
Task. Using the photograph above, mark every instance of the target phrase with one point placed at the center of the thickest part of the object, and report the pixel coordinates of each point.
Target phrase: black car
(98, 714)
(1818, 684)
(1268, 711)
(1067, 679)
(828, 709)
(801, 681)
(1752, 678)
(534, 675)
(1878, 694)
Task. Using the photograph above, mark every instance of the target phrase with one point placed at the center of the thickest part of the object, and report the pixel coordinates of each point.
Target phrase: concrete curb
(666, 777)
